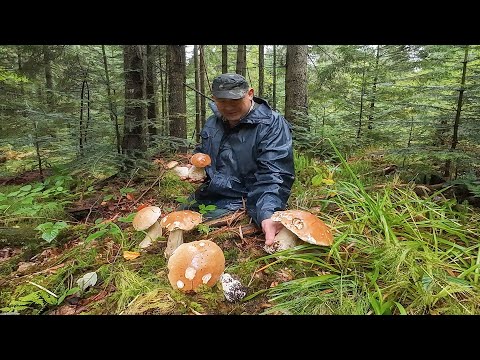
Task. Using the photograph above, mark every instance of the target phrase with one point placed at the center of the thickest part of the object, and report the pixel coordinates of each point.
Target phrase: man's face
(234, 109)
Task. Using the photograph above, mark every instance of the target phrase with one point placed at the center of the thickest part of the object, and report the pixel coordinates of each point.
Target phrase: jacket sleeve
(275, 175)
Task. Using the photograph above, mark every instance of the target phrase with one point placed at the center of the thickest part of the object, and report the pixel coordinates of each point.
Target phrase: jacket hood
(260, 114)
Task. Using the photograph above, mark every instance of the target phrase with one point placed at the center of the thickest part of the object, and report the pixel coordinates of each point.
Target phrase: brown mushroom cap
(305, 225)
(195, 263)
(200, 160)
(146, 217)
(183, 220)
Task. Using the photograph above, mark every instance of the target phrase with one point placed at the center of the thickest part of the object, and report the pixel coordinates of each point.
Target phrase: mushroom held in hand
(299, 224)
(195, 263)
(177, 222)
(199, 162)
(146, 218)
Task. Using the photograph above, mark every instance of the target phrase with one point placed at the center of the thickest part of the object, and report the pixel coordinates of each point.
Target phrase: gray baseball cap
(229, 86)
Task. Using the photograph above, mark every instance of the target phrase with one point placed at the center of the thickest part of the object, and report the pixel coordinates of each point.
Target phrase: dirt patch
(24, 178)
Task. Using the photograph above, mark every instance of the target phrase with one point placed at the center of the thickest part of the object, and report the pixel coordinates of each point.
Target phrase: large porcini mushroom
(199, 162)
(177, 222)
(299, 225)
(146, 219)
(195, 263)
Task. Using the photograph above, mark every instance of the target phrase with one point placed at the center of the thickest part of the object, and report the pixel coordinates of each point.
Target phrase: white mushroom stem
(175, 239)
(181, 171)
(285, 239)
(153, 233)
(197, 173)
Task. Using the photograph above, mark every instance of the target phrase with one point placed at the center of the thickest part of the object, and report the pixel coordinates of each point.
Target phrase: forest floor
(30, 263)
(95, 236)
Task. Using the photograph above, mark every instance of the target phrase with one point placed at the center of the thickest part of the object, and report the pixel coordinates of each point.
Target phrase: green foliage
(37, 301)
(105, 228)
(203, 228)
(50, 230)
(127, 219)
(33, 202)
(203, 209)
(472, 184)
(11, 78)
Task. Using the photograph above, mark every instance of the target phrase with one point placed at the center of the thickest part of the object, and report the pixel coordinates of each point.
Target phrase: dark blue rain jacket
(252, 162)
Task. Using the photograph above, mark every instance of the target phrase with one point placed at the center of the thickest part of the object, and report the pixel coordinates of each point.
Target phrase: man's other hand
(270, 229)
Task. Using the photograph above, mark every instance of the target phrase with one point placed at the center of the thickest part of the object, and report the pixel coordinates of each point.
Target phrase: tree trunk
(37, 148)
(176, 95)
(458, 113)
(150, 89)
(296, 85)
(241, 60)
(197, 96)
(224, 59)
(111, 106)
(83, 125)
(163, 89)
(274, 85)
(20, 71)
(48, 76)
(135, 110)
(359, 130)
(203, 110)
(261, 71)
(374, 89)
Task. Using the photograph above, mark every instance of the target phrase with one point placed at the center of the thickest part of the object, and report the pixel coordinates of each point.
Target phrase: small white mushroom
(177, 222)
(146, 219)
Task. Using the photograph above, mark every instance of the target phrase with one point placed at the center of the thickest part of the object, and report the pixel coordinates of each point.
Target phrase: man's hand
(270, 229)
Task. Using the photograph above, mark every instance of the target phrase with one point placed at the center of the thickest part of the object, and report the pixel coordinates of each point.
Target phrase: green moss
(171, 187)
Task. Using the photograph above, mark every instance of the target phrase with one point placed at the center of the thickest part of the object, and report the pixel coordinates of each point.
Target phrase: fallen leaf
(130, 255)
(451, 272)
(130, 197)
(89, 279)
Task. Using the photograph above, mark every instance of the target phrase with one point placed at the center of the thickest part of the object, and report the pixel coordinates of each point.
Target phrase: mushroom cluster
(299, 225)
(176, 223)
(146, 219)
(195, 263)
(199, 161)
(193, 172)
